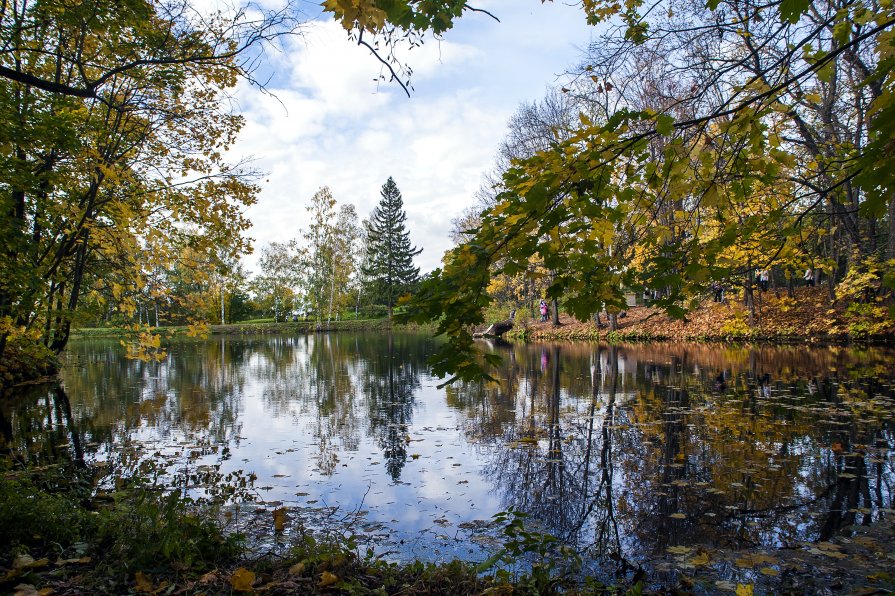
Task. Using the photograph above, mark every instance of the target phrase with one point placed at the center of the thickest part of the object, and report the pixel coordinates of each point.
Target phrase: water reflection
(628, 450)
(622, 451)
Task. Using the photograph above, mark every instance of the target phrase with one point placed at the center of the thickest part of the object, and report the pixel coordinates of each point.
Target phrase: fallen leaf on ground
(142, 582)
(80, 561)
(297, 569)
(327, 579)
(242, 580)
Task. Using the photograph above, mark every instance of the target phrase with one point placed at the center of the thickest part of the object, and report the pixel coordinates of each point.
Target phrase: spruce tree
(389, 252)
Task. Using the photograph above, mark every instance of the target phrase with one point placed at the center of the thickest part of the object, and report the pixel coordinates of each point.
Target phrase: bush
(52, 513)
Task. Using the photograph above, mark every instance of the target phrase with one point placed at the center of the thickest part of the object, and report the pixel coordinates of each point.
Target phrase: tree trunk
(749, 299)
(890, 250)
(555, 307)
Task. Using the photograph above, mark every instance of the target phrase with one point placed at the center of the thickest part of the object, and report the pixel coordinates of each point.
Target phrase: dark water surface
(620, 451)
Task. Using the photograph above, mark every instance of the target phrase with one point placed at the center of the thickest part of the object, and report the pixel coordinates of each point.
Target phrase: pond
(621, 451)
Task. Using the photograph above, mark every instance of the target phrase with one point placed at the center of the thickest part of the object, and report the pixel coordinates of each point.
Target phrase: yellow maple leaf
(744, 590)
(242, 580)
(327, 579)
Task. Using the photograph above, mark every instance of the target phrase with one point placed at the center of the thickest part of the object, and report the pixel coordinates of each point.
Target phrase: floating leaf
(770, 571)
(745, 590)
(242, 580)
(701, 559)
(678, 516)
(279, 519)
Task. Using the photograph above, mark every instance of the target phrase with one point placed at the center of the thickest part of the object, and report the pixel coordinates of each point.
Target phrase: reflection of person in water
(764, 383)
(720, 382)
(544, 359)
(812, 387)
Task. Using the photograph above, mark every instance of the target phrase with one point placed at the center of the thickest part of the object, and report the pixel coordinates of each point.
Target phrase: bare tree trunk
(749, 299)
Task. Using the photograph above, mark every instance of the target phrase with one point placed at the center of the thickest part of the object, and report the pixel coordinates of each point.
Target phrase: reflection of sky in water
(614, 449)
(444, 482)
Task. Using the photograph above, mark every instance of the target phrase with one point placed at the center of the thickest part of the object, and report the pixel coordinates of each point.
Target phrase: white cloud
(330, 123)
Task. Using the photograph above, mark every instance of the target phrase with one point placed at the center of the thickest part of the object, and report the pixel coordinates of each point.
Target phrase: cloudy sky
(331, 123)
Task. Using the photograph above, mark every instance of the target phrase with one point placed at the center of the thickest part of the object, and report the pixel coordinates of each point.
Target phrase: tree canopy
(111, 153)
(710, 142)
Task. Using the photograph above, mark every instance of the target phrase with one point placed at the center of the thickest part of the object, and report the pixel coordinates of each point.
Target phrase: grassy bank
(808, 317)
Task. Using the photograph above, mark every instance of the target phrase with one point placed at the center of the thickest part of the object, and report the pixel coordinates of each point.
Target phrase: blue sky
(330, 124)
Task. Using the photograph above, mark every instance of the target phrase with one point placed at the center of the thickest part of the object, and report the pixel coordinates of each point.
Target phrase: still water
(620, 451)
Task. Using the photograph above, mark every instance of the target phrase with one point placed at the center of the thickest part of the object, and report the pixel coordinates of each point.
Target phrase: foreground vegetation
(62, 536)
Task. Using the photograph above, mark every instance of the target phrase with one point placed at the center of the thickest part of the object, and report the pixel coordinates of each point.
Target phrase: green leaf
(664, 125)
(791, 10)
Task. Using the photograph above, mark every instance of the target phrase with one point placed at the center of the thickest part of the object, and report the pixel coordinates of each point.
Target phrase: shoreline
(809, 318)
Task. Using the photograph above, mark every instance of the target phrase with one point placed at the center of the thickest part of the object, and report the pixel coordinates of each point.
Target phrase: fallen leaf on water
(279, 519)
(770, 571)
(678, 516)
(679, 550)
(209, 578)
(25, 590)
(327, 579)
(242, 580)
(745, 589)
(700, 559)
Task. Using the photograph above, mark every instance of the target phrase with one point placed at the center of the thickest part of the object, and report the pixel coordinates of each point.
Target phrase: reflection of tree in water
(191, 396)
(317, 383)
(653, 451)
(390, 378)
(338, 380)
(37, 429)
(560, 468)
